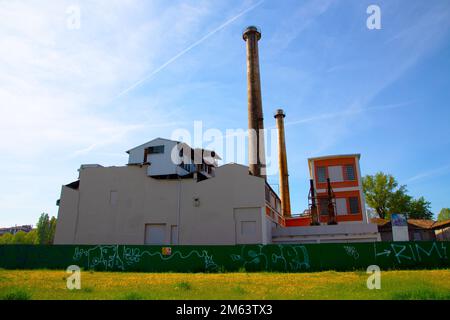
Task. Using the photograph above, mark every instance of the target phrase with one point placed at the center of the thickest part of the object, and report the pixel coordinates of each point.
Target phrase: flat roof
(358, 155)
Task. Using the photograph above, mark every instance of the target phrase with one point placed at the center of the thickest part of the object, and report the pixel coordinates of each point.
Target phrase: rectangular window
(156, 149)
(335, 174)
(350, 173)
(354, 205)
(341, 206)
(323, 207)
(321, 174)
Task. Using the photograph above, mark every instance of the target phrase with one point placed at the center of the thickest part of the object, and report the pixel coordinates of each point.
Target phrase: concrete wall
(67, 216)
(116, 203)
(361, 232)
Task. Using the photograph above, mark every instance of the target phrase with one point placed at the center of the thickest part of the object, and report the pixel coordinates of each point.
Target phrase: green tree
(386, 196)
(31, 237)
(444, 214)
(45, 229)
(381, 192)
(7, 238)
(420, 209)
(19, 237)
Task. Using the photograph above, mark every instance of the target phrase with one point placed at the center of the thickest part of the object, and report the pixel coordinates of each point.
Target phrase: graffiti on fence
(260, 257)
(352, 252)
(117, 257)
(412, 251)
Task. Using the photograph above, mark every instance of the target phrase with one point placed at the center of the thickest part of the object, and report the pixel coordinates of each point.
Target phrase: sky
(81, 82)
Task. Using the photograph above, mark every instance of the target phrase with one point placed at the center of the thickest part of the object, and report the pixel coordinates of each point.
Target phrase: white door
(155, 234)
(248, 226)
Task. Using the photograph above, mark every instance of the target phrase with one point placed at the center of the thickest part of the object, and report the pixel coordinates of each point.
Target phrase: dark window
(322, 174)
(323, 207)
(354, 205)
(156, 149)
(350, 172)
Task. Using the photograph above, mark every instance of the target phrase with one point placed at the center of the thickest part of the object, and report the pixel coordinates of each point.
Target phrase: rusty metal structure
(314, 212)
(331, 201)
(256, 150)
(282, 163)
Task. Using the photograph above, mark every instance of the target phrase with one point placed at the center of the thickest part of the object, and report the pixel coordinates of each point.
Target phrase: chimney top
(251, 29)
(279, 112)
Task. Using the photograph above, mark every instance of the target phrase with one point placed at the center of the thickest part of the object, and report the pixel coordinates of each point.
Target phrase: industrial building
(170, 193)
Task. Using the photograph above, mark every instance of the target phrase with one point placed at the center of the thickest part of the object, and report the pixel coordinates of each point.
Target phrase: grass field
(46, 284)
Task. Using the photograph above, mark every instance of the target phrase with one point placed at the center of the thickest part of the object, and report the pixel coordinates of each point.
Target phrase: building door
(248, 226)
(155, 234)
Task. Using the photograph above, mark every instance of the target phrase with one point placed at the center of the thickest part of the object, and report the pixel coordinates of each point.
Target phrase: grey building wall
(113, 206)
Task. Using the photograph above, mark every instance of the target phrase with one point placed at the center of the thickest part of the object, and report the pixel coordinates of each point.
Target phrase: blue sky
(136, 70)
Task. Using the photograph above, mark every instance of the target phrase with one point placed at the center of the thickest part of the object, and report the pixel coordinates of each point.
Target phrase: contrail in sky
(174, 58)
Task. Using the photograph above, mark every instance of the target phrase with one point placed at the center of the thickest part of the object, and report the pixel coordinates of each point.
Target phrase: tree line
(44, 233)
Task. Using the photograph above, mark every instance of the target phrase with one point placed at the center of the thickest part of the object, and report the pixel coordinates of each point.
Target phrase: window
(335, 174)
(350, 173)
(341, 206)
(321, 174)
(323, 207)
(354, 205)
(156, 149)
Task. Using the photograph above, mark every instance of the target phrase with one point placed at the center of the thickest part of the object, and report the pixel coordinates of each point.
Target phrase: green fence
(284, 258)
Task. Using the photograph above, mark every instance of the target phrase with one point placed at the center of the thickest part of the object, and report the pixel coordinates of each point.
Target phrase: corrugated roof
(380, 222)
(419, 223)
(441, 224)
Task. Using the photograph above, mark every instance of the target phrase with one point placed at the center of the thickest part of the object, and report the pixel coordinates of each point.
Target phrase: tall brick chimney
(283, 167)
(256, 150)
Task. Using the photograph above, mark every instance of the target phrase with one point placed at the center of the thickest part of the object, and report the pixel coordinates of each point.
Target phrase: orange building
(345, 177)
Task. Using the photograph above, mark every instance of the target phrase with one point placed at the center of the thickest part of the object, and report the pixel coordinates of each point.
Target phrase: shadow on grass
(16, 294)
(133, 296)
(184, 285)
(421, 294)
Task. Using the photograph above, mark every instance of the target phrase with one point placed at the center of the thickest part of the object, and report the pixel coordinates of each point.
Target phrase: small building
(15, 229)
(442, 230)
(418, 229)
(349, 206)
(345, 177)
